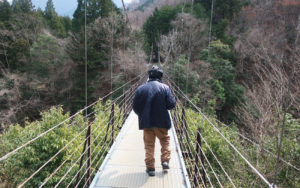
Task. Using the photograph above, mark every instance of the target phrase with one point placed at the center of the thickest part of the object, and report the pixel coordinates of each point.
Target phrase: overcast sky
(66, 7)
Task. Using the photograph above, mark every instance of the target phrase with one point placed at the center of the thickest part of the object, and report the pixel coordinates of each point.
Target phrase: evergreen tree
(50, 10)
(158, 24)
(78, 16)
(227, 91)
(222, 9)
(67, 22)
(24, 6)
(55, 22)
(5, 11)
(95, 8)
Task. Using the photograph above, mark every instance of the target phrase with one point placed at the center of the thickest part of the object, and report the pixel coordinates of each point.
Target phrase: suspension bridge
(111, 153)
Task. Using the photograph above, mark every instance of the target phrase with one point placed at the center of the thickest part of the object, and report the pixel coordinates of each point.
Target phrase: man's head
(155, 73)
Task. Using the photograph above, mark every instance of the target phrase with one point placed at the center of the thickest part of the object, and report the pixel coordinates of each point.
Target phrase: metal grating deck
(124, 165)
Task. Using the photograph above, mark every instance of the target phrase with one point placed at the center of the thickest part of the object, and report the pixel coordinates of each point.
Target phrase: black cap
(155, 73)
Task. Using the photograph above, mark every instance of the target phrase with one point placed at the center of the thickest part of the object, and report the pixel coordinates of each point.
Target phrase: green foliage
(159, 23)
(187, 80)
(221, 60)
(5, 11)
(18, 51)
(46, 56)
(219, 91)
(199, 11)
(24, 6)
(67, 22)
(238, 170)
(95, 9)
(78, 16)
(60, 25)
(220, 28)
(17, 168)
(222, 9)
(99, 52)
(216, 143)
(290, 151)
(50, 10)
(20, 166)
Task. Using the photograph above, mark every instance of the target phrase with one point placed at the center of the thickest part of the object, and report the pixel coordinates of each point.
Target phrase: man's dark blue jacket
(151, 103)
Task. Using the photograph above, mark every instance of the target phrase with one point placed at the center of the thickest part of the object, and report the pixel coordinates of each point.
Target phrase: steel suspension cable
(84, 164)
(210, 25)
(85, 56)
(95, 167)
(285, 101)
(73, 152)
(107, 145)
(82, 155)
(91, 162)
(47, 162)
(254, 143)
(61, 165)
(189, 162)
(65, 121)
(218, 161)
(102, 120)
(218, 131)
(214, 155)
(257, 145)
(189, 55)
(203, 154)
(78, 160)
(111, 55)
(189, 149)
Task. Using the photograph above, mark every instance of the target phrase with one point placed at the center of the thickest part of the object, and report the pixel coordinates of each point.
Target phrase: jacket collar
(154, 79)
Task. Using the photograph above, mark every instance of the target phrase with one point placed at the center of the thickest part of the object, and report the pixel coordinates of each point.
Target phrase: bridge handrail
(66, 120)
(182, 94)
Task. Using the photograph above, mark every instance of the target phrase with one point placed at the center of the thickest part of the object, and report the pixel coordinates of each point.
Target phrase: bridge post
(122, 113)
(89, 153)
(184, 124)
(112, 117)
(124, 107)
(83, 153)
(198, 149)
(177, 128)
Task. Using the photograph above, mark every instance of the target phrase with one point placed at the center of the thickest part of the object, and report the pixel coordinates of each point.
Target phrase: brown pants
(149, 141)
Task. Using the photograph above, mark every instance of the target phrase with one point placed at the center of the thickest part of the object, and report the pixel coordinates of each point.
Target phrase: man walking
(151, 103)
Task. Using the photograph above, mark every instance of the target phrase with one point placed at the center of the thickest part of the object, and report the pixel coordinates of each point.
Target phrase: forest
(237, 60)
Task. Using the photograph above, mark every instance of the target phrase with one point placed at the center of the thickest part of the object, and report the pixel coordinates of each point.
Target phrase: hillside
(237, 66)
(42, 58)
(265, 43)
(139, 12)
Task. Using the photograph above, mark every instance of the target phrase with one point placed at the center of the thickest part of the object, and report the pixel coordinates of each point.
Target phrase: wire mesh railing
(75, 162)
(204, 167)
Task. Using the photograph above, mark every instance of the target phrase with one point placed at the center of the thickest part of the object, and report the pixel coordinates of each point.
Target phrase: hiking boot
(150, 171)
(165, 165)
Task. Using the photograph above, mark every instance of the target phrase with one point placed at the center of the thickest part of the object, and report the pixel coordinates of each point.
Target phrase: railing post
(184, 123)
(89, 153)
(180, 132)
(82, 154)
(199, 149)
(112, 114)
(110, 121)
(124, 105)
(122, 111)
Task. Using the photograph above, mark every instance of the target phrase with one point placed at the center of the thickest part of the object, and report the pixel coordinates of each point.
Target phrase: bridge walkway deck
(124, 165)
